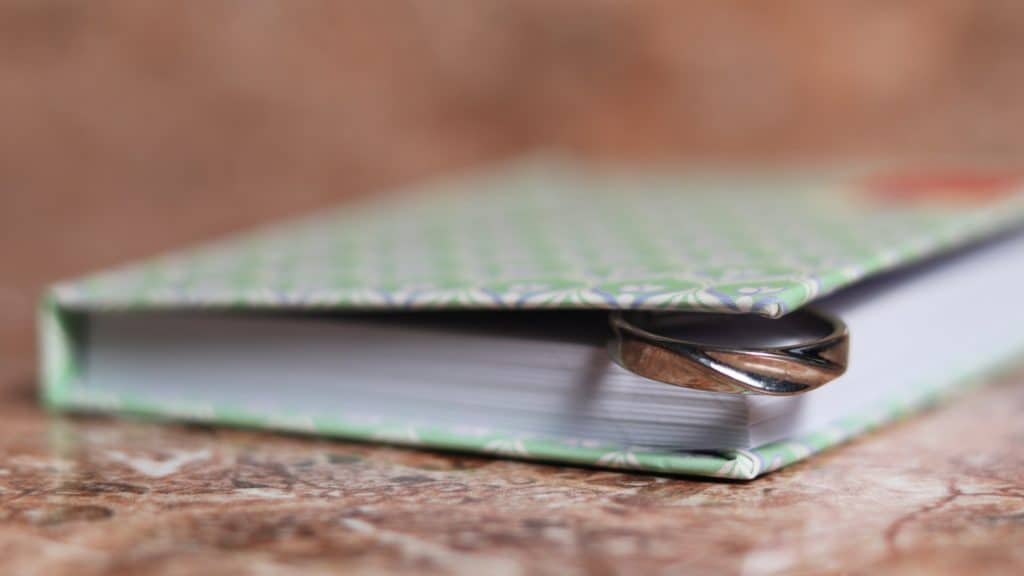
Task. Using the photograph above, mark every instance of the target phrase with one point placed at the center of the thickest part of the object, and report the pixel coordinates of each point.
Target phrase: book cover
(550, 235)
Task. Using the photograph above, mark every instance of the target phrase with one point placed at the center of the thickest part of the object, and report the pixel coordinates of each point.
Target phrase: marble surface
(941, 493)
(135, 128)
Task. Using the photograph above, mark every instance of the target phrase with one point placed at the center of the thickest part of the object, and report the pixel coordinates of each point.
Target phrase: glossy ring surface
(641, 345)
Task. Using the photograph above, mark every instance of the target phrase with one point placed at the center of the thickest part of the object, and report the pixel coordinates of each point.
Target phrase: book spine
(58, 332)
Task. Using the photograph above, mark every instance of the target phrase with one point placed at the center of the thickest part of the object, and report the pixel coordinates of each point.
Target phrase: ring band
(778, 369)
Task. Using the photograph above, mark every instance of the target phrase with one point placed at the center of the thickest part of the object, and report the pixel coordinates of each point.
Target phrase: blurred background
(134, 126)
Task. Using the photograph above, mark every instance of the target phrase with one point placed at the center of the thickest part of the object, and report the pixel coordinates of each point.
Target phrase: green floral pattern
(542, 236)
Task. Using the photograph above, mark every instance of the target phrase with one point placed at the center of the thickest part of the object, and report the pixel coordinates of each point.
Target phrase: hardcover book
(472, 314)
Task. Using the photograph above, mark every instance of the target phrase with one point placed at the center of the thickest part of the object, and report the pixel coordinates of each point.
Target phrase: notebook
(471, 314)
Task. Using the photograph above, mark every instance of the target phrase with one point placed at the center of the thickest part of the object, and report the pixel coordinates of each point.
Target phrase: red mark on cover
(931, 187)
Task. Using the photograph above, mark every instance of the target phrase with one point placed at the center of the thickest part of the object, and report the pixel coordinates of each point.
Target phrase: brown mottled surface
(131, 127)
(939, 494)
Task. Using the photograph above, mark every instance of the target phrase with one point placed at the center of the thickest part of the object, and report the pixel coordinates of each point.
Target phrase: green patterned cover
(541, 234)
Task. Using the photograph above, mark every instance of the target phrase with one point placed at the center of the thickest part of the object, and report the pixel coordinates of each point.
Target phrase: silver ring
(810, 348)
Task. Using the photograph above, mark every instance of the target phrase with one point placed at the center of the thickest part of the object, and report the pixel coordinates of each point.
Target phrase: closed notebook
(472, 314)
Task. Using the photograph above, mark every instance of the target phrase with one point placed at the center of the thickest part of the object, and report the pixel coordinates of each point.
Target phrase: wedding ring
(739, 354)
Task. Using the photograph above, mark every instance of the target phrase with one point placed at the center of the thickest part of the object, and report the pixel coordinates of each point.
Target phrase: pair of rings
(740, 354)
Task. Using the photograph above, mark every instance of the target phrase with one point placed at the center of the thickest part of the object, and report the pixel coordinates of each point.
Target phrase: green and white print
(543, 236)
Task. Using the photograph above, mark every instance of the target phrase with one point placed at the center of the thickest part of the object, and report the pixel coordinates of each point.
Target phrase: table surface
(942, 492)
(134, 128)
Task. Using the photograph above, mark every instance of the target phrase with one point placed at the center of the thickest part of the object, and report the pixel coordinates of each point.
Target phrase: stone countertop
(941, 493)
